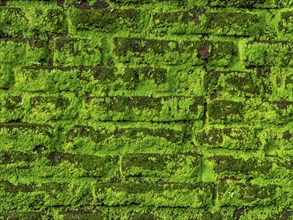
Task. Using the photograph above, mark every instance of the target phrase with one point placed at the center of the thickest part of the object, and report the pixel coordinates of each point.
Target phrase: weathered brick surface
(146, 109)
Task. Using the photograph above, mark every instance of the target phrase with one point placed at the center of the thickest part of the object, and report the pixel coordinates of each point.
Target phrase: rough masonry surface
(146, 109)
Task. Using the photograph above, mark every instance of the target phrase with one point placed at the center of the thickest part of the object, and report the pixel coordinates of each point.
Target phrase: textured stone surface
(146, 109)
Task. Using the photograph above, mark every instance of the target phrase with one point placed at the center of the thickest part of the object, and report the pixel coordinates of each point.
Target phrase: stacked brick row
(131, 109)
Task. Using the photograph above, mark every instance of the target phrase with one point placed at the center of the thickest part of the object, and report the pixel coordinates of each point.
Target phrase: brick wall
(146, 109)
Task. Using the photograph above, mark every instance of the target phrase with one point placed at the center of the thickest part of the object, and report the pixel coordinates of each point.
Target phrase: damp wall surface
(146, 109)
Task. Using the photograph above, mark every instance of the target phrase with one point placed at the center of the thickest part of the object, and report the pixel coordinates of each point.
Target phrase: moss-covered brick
(85, 165)
(123, 137)
(141, 2)
(22, 51)
(43, 195)
(22, 215)
(279, 137)
(232, 83)
(45, 108)
(12, 17)
(11, 108)
(135, 212)
(158, 195)
(6, 76)
(220, 111)
(285, 25)
(80, 80)
(178, 22)
(268, 53)
(105, 20)
(247, 194)
(77, 52)
(53, 19)
(153, 51)
(69, 215)
(233, 23)
(56, 164)
(199, 21)
(231, 166)
(167, 167)
(284, 109)
(143, 74)
(224, 111)
(229, 137)
(263, 212)
(11, 157)
(283, 215)
(250, 3)
(24, 136)
(29, 22)
(134, 108)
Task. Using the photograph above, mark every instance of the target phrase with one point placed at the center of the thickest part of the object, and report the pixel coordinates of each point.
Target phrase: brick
(135, 76)
(36, 18)
(22, 215)
(176, 213)
(29, 22)
(78, 215)
(159, 195)
(99, 4)
(279, 136)
(56, 164)
(140, 2)
(153, 51)
(6, 76)
(10, 108)
(224, 110)
(178, 22)
(134, 212)
(229, 137)
(285, 214)
(276, 82)
(77, 52)
(87, 165)
(14, 17)
(250, 3)
(232, 83)
(234, 23)
(249, 110)
(250, 195)
(44, 195)
(264, 212)
(163, 133)
(167, 167)
(75, 79)
(46, 108)
(268, 53)
(145, 108)
(251, 167)
(83, 80)
(120, 137)
(24, 136)
(200, 21)
(285, 24)
(22, 51)
(11, 157)
(104, 20)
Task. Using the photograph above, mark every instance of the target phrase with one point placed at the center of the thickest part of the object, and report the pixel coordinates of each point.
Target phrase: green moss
(77, 52)
(155, 167)
(285, 25)
(221, 110)
(123, 109)
(266, 53)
